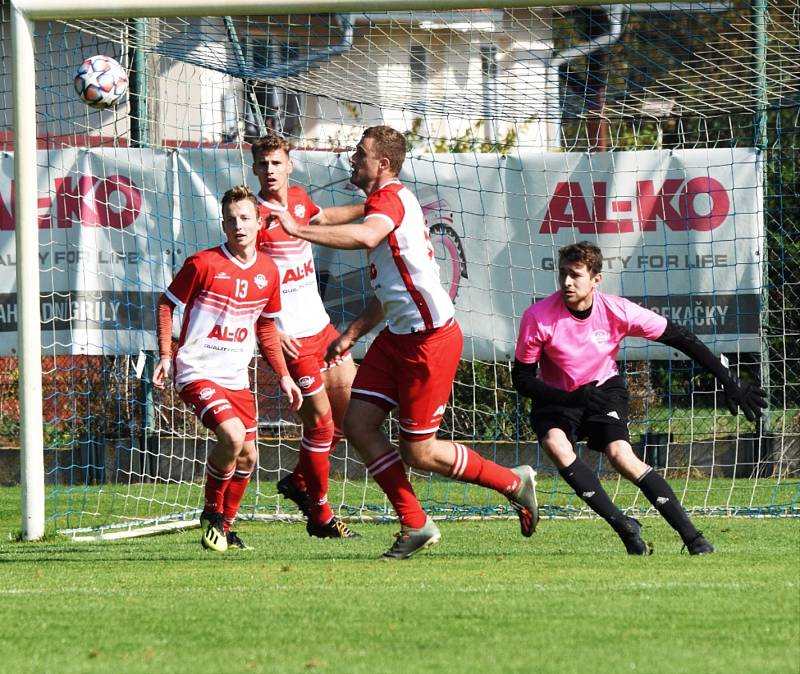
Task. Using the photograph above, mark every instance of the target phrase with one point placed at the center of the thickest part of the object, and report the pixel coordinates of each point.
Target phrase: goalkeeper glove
(751, 398)
(593, 399)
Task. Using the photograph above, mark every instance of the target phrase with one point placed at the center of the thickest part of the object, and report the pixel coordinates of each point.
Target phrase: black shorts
(598, 429)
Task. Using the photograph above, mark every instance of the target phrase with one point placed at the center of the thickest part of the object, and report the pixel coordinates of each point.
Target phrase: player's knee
(559, 448)
(619, 451)
(231, 437)
(246, 460)
(321, 431)
(622, 457)
(418, 453)
(354, 424)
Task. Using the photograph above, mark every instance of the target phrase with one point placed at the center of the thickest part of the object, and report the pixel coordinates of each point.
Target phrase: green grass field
(483, 600)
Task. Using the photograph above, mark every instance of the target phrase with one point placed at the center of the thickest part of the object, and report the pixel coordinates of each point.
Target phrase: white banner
(681, 233)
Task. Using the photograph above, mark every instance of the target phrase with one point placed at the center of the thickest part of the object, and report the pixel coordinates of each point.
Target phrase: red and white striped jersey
(402, 267)
(303, 312)
(222, 299)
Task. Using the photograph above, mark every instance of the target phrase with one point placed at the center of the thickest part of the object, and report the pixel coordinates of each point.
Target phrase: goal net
(665, 133)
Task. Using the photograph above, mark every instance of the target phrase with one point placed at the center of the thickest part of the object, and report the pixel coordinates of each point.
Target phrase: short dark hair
(389, 143)
(269, 143)
(238, 193)
(583, 252)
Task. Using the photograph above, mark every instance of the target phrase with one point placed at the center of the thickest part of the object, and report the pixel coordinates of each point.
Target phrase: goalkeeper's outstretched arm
(750, 397)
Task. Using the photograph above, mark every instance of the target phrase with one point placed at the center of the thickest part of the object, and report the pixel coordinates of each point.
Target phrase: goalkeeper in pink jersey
(305, 332)
(565, 362)
(230, 297)
(412, 362)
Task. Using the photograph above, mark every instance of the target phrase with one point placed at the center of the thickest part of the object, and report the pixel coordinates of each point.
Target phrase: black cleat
(629, 531)
(288, 489)
(333, 529)
(236, 543)
(698, 545)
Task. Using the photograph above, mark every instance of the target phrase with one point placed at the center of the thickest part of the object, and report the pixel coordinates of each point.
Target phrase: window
(418, 62)
(281, 108)
(489, 64)
(489, 80)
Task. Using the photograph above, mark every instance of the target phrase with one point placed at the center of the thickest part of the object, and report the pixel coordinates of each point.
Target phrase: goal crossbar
(56, 9)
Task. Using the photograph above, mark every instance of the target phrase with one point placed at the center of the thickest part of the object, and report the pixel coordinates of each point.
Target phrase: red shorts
(307, 368)
(214, 404)
(413, 373)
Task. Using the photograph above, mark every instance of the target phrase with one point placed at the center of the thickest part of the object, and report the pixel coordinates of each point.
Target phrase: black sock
(587, 485)
(660, 494)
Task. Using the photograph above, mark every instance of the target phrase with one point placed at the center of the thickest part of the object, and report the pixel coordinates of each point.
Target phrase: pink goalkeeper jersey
(222, 299)
(402, 267)
(303, 313)
(572, 352)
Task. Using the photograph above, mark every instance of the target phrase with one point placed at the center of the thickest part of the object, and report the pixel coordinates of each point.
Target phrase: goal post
(29, 343)
(529, 126)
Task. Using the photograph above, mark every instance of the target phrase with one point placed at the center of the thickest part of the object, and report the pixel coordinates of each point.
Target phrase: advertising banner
(681, 233)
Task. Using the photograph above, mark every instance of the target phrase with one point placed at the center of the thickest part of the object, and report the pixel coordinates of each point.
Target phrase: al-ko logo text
(698, 204)
(113, 201)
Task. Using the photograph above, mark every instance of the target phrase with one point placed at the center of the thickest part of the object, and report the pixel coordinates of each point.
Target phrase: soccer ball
(100, 81)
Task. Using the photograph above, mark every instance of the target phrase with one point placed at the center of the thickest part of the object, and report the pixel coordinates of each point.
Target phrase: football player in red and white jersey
(230, 296)
(412, 363)
(306, 331)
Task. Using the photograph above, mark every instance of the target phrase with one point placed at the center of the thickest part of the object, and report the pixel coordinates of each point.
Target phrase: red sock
(314, 463)
(388, 471)
(217, 481)
(233, 496)
(469, 466)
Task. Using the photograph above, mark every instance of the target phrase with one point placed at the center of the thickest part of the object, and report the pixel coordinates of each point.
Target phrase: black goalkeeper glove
(594, 400)
(751, 398)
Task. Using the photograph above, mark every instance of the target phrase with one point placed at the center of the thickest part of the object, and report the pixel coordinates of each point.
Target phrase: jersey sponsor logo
(299, 210)
(298, 273)
(222, 275)
(261, 281)
(306, 382)
(206, 393)
(225, 334)
(600, 336)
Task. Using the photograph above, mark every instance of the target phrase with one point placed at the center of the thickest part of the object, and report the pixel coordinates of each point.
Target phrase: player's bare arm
(339, 215)
(351, 236)
(370, 316)
(291, 391)
(290, 345)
